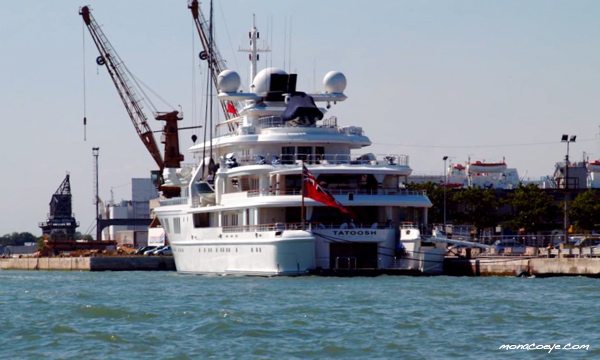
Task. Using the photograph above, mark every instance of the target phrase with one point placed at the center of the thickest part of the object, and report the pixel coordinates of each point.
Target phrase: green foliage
(476, 206)
(435, 192)
(584, 211)
(17, 238)
(80, 236)
(532, 209)
(40, 243)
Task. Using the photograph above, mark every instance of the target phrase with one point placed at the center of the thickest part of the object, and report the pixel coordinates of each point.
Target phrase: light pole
(568, 139)
(445, 158)
(95, 153)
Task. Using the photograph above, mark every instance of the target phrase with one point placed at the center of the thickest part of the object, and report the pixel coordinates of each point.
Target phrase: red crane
(117, 71)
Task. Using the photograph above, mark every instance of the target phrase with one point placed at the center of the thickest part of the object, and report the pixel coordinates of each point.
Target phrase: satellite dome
(262, 80)
(334, 82)
(228, 81)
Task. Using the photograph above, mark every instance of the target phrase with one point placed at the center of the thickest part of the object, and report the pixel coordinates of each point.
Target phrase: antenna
(290, 47)
(253, 50)
(284, 41)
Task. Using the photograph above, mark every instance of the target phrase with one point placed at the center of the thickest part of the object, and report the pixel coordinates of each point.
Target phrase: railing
(264, 227)
(339, 191)
(174, 201)
(321, 159)
(267, 122)
(299, 226)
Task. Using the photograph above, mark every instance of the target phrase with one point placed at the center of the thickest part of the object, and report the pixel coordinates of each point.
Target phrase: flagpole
(302, 191)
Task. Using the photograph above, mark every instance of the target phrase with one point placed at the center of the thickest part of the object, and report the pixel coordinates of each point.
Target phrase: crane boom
(114, 66)
(216, 63)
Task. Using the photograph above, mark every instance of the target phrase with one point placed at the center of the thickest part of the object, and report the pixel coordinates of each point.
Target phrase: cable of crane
(84, 84)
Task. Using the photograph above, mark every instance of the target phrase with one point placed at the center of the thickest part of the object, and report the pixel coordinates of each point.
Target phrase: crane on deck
(119, 75)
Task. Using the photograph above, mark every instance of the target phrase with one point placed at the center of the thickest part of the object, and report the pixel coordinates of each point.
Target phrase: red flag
(316, 192)
(231, 109)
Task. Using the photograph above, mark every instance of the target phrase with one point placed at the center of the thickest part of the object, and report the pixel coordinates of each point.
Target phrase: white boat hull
(244, 254)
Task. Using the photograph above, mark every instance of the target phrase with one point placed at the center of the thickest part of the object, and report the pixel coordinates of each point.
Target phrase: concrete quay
(522, 266)
(95, 263)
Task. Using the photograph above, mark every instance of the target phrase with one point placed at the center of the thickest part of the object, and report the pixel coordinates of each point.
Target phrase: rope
(84, 84)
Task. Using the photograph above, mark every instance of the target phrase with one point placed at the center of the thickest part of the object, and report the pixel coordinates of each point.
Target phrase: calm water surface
(148, 315)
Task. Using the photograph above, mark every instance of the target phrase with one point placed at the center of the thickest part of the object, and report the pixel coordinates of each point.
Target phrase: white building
(142, 191)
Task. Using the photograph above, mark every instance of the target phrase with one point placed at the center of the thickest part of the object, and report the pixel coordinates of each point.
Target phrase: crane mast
(216, 63)
(115, 67)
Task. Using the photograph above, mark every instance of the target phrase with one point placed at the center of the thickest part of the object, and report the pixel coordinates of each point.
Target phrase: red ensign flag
(314, 191)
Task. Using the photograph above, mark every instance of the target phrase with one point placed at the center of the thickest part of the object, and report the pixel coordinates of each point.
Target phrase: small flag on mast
(231, 109)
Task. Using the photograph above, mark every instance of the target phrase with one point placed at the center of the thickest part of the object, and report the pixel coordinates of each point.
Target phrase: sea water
(154, 315)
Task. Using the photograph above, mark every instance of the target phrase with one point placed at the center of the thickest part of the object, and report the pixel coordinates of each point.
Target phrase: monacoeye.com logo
(548, 347)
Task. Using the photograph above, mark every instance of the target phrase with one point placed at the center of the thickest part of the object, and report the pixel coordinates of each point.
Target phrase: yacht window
(177, 225)
(287, 154)
(165, 224)
(304, 153)
(230, 219)
(253, 184)
(319, 153)
(201, 220)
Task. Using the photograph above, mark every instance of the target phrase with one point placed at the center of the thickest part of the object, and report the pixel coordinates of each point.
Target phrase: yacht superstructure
(242, 209)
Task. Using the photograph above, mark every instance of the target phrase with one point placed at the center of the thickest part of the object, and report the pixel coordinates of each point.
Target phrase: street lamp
(96, 153)
(445, 158)
(567, 139)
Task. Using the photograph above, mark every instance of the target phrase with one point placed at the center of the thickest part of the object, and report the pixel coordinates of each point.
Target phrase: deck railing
(339, 191)
(233, 127)
(298, 226)
(321, 159)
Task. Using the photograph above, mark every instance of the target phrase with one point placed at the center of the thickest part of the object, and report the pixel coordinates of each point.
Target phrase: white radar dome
(228, 81)
(262, 80)
(334, 82)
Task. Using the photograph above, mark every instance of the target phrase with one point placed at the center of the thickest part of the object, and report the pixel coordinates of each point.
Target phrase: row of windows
(226, 250)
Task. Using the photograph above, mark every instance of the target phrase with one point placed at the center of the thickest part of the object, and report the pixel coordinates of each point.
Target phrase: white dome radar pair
(229, 81)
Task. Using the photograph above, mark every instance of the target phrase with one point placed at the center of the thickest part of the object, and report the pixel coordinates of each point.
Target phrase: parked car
(165, 250)
(151, 251)
(513, 244)
(587, 242)
(159, 250)
(143, 249)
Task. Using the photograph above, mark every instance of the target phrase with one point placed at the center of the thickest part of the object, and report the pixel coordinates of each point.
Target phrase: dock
(522, 266)
(93, 263)
(453, 266)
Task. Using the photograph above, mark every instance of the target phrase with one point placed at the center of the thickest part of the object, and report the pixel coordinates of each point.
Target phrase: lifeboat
(594, 166)
(483, 167)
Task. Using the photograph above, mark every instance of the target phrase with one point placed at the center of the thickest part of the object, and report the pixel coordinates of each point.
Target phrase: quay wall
(515, 266)
(99, 263)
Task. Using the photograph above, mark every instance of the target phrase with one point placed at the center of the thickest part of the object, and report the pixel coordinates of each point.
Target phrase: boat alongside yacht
(244, 208)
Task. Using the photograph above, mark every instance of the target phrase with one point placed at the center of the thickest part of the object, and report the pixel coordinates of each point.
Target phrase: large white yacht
(242, 210)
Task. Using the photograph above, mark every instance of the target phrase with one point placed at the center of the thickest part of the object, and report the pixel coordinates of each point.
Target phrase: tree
(532, 209)
(17, 238)
(585, 210)
(435, 193)
(476, 206)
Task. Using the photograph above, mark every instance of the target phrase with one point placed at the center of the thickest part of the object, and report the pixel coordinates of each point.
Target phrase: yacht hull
(245, 254)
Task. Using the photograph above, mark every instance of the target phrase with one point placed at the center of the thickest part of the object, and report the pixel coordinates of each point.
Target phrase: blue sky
(478, 79)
